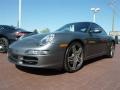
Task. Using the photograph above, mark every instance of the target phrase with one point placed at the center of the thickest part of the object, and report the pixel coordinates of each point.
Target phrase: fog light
(20, 62)
(1, 47)
(20, 57)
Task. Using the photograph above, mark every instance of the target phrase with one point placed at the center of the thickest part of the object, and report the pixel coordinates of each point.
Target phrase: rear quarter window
(96, 26)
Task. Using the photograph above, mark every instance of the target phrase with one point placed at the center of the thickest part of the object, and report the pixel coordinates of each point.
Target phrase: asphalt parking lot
(97, 74)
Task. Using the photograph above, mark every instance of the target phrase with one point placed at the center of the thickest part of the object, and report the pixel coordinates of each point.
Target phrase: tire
(73, 57)
(111, 50)
(3, 45)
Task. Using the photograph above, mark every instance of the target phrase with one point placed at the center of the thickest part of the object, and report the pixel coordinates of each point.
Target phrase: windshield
(75, 27)
(68, 27)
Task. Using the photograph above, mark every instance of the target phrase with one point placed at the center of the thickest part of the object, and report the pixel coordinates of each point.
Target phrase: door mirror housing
(95, 31)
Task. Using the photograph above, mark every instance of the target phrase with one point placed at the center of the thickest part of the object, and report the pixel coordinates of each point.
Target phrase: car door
(94, 39)
(104, 40)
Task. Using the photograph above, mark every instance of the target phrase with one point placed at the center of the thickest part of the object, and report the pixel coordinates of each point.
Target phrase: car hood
(30, 41)
(34, 40)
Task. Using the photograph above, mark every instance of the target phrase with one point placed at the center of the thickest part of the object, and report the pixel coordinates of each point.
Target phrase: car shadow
(51, 72)
(40, 71)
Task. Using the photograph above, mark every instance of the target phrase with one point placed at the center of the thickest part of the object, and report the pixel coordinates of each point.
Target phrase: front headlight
(48, 39)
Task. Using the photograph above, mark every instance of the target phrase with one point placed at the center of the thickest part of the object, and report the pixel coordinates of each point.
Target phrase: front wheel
(73, 57)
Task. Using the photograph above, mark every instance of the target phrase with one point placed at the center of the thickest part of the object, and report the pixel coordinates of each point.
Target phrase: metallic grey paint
(94, 46)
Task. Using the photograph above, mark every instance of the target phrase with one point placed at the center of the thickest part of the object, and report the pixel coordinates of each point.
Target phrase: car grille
(29, 58)
(15, 56)
(25, 59)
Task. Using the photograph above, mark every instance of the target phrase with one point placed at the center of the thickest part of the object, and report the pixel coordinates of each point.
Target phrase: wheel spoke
(79, 59)
(76, 57)
(74, 65)
(79, 51)
(74, 49)
(70, 59)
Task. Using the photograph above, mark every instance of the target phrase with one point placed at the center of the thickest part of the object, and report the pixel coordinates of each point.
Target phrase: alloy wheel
(3, 45)
(74, 57)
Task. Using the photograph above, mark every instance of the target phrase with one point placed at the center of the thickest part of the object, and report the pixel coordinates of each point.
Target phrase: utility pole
(111, 4)
(20, 13)
(114, 33)
(95, 10)
(113, 20)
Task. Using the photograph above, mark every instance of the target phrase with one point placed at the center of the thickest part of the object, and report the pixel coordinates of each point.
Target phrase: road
(97, 74)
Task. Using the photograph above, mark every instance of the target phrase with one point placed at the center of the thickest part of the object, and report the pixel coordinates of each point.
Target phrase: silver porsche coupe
(66, 48)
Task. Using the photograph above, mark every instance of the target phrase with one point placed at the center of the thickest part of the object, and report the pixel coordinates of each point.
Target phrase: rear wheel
(3, 45)
(73, 57)
(111, 50)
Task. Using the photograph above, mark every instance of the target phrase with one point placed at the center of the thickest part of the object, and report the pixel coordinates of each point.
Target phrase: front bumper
(54, 58)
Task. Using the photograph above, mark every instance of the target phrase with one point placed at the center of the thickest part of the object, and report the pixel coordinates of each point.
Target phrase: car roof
(83, 22)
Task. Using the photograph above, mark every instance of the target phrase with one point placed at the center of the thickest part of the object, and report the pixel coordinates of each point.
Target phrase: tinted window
(68, 27)
(103, 32)
(6, 29)
(97, 27)
(81, 27)
(9, 29)
(1, 28)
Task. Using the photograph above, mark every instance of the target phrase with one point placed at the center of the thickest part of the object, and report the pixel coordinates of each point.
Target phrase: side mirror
(95, 31)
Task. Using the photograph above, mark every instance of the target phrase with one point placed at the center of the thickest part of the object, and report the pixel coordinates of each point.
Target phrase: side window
(81, 27)
(72, 28)
(103, 31)
(1, 28)
(9, 29)
(94, 27)
(97, 27)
